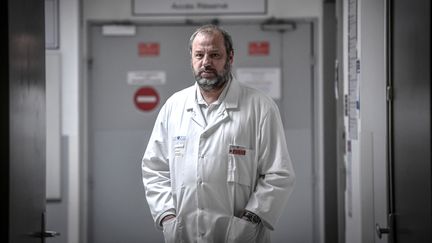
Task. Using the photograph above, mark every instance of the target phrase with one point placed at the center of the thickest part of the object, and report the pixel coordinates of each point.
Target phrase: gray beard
(210, 84)
(216, 83)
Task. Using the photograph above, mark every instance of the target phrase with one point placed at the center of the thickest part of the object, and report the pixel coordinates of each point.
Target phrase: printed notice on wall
(146, 77)
(267, 80)
(353, 71)
(198, 7)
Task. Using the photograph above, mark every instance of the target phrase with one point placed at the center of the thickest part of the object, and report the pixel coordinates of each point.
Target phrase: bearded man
(217, 168)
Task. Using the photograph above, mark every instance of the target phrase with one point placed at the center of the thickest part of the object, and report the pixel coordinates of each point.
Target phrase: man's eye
(215, 55)
(199, 56)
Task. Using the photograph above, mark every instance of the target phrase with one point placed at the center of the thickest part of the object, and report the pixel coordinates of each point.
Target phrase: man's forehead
(214, 40)
(209, 34)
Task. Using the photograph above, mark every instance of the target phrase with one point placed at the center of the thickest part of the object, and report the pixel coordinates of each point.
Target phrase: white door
(119, 131)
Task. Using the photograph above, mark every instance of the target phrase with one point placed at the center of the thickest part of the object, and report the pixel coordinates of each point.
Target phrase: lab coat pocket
(242, 231)
(241, 165)
(171, 232)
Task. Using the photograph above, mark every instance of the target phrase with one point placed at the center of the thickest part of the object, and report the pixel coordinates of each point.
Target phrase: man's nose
(206, 61)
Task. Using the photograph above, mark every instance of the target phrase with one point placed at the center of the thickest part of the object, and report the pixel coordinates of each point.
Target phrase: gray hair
(212, 29)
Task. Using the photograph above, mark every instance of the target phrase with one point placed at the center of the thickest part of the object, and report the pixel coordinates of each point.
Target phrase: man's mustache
(207, 69)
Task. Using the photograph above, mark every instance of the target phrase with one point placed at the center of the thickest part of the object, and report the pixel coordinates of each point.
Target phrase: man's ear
(231, 57)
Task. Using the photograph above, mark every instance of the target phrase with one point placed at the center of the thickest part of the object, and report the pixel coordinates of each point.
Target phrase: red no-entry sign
(146, 98)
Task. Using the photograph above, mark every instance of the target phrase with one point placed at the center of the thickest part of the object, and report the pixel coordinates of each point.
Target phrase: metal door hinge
(89, 63)
(312, 60)
(389, 93)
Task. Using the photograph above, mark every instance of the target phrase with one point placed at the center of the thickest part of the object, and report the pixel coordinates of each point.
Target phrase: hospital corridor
(318, 128)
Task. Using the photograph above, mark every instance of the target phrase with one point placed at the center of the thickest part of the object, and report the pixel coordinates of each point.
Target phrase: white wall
(368, 159)
(63, 215)
(73, 53)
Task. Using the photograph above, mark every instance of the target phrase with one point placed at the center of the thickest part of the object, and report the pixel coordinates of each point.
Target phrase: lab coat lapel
(230, 102)
(193, 109)
(197, 116)
(222, 116)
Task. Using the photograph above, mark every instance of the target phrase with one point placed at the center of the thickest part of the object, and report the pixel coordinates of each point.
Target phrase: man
(216, 168)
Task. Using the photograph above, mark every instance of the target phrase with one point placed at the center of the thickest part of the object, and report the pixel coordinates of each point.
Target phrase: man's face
(210, 63)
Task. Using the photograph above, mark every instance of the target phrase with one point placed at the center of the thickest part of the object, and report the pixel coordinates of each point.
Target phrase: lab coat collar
(231, 99)
(230, 102)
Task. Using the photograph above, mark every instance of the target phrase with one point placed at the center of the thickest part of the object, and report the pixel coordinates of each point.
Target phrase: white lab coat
(207, 175)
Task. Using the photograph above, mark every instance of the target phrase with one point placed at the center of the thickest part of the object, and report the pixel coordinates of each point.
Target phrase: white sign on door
(198, 7)
(268, 80)
(147, 77)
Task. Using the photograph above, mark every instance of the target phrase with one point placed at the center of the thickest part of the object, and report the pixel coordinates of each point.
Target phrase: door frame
(317, 123)
(403, 217)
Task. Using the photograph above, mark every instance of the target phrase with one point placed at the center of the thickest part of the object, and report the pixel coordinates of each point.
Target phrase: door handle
(49, 234)
(45, 234)
(380, 231)
(386, 230)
